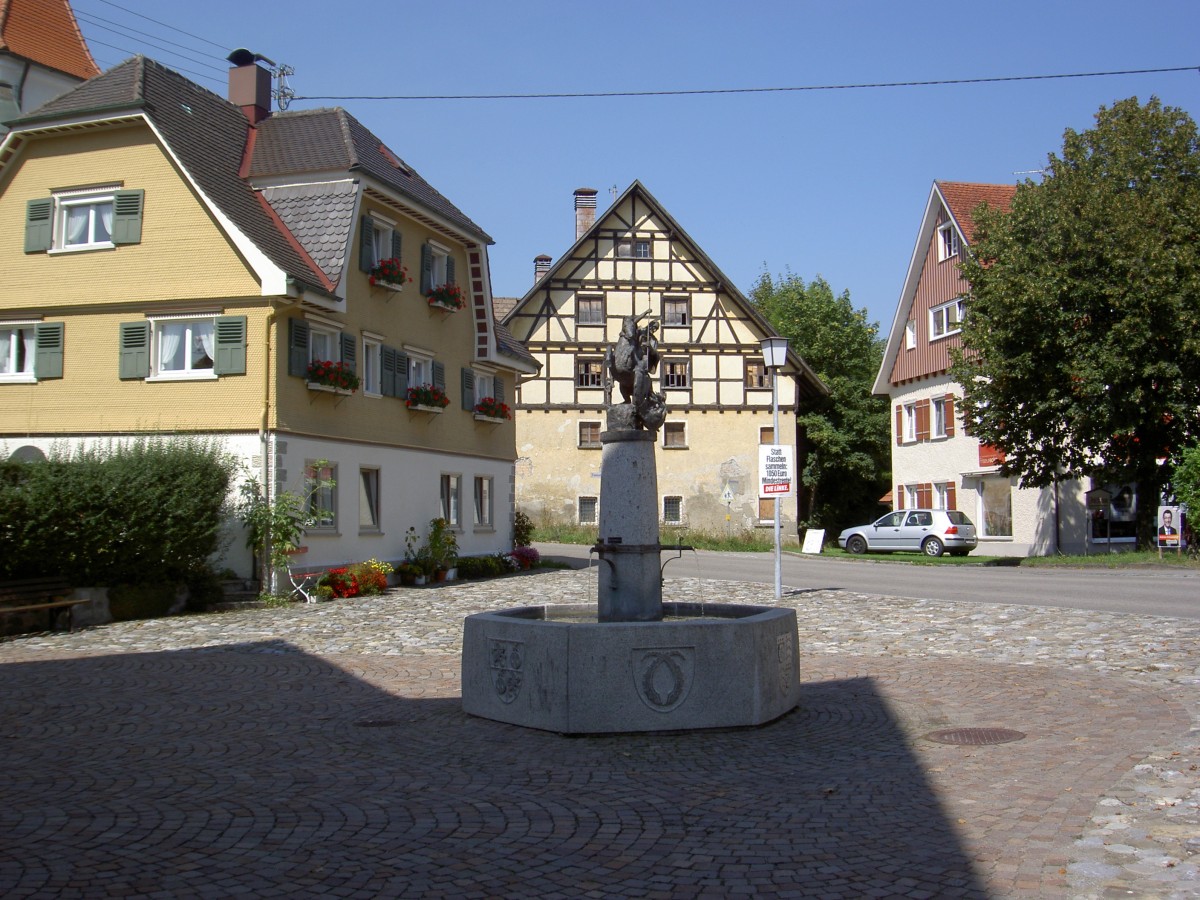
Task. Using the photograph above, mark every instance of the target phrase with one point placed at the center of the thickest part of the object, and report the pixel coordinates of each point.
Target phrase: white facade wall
(409, 487)
(1037, 529)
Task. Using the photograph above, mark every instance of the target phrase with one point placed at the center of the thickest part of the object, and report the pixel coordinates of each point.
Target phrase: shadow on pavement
(259, 768)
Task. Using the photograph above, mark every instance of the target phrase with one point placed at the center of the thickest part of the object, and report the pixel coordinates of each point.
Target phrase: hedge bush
(131, 513)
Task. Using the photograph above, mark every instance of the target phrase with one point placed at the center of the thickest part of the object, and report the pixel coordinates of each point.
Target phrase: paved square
(323, 750)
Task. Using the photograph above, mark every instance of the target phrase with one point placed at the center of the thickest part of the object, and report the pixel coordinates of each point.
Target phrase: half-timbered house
(636, 259)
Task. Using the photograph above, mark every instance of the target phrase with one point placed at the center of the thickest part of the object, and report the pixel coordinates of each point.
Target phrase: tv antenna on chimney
(283, 92)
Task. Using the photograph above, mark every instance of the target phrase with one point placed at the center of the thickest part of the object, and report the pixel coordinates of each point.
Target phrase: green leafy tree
(1187, 481)
(1081, 346)
(842, 440)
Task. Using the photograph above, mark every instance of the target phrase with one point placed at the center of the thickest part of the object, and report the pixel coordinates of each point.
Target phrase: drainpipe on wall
(267, 447)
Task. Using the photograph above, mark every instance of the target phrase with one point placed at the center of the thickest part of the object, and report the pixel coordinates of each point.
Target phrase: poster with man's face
(1168, 527)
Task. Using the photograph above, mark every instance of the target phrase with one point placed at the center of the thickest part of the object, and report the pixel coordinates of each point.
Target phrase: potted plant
(336, 375)
(442, 547)
(491, 408)
(389, 273)
(446, 296)
(427, 397)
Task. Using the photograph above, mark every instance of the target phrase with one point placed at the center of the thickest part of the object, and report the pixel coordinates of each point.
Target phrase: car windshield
(957, 518)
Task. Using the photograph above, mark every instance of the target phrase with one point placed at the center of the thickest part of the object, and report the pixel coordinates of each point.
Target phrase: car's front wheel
(856, 545)
(932, 547)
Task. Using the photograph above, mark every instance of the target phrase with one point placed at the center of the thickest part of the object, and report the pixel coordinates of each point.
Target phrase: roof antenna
(283, 92)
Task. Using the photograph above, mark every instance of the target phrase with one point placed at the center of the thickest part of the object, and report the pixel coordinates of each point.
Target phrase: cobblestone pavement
(322, 750)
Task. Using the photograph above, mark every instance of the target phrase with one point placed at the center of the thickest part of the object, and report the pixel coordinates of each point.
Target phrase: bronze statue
(629, 364)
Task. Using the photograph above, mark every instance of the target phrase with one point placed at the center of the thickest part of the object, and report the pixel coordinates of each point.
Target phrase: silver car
(929, 531)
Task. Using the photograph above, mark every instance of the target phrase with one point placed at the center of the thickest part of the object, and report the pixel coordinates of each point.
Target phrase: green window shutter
(229, 337)
(48, 341)
(450, 270)
(426, 268)
(401, 375)
(499, 389)
(39, 225)
(468, 389)
(298, 347)
(366, 244)
(387, 371)
(135, 350)
(127, 216)
(439, 375)
(396, 242)
(349, 350)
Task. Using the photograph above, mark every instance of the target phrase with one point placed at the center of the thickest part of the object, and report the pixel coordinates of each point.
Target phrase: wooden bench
(48, 593)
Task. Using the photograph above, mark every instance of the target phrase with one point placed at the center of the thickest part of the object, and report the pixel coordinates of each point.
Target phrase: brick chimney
(250, 84)
(585, 210)
(541, 265)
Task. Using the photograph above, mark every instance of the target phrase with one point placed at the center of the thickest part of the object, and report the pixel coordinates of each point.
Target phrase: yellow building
(176, 262)
(635, 259)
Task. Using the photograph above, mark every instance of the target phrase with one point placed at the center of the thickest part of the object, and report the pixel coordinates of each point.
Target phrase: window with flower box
(483, 393)
(437, 266)
(312, 344)
(31, 351)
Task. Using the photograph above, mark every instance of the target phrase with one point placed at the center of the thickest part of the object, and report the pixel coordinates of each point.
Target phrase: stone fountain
(632, 663)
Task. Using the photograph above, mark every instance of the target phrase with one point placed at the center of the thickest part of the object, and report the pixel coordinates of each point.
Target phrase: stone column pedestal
(630, 581)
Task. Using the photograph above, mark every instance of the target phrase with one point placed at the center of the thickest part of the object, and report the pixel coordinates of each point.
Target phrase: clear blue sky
(829, 183)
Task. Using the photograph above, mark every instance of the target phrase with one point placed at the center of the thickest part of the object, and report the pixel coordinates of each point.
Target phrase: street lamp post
(774, 354)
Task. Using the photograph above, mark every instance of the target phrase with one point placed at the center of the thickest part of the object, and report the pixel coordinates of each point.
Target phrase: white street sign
(776, 471)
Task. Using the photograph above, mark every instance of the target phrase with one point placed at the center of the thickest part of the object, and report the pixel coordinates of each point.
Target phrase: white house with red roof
(42, 54)
(935, 461)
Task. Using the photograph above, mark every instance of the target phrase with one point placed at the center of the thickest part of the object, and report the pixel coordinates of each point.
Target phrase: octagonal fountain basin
(706, 665)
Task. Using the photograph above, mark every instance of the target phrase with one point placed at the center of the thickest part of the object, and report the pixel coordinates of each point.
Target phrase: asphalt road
(1165, 591)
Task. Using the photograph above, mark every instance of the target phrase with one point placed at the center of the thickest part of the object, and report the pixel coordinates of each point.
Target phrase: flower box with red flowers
(324, 374)
(427, 398)
(390, 274)
(446, 296)
(491, 408)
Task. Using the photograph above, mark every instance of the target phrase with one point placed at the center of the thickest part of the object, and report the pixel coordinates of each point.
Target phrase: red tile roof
(964, 197)
(45, 31)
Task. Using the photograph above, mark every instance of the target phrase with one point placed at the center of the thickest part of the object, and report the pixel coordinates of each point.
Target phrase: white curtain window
(185, 346)
(485, 386)
(86, 223)
(16, 351)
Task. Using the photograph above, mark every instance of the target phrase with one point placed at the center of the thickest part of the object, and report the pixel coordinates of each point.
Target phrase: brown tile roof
(321, 140)
(963, 197)
(507, 344)
(206, 132)
(45, 31)
(502, 306)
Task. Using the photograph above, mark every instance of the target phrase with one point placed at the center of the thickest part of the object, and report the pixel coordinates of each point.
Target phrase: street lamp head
(774, 352)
